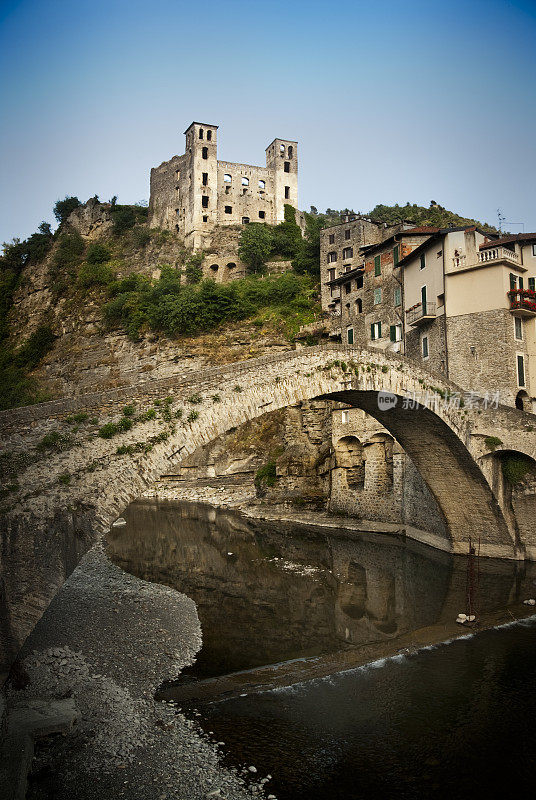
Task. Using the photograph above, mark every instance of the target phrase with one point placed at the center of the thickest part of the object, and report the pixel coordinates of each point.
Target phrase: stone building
(470, 306)
(197, 195)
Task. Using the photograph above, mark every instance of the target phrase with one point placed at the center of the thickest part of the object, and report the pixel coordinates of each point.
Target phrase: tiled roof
(516, 237)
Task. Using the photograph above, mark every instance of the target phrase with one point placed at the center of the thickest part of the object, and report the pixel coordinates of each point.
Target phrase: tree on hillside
(286, 237)
(62, 208)
(255, 245)
(307, 259)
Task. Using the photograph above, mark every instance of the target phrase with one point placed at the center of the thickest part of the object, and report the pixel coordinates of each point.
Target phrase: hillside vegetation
(180, 302)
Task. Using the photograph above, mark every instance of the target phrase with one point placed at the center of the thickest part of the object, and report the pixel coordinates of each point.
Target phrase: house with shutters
(470, 311)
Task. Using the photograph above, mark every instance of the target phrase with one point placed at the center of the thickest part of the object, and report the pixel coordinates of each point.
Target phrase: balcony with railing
(522, 302)
(421, 312)
(488, 256)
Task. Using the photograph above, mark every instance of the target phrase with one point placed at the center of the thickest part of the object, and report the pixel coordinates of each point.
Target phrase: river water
(322, 662)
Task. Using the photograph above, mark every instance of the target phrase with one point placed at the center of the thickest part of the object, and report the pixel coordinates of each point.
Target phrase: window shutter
(372, 331)
(531, 284)
(379, 330)
(395, 255)
(513, 282)
(377, 265)
(392, 333)
(520, 282)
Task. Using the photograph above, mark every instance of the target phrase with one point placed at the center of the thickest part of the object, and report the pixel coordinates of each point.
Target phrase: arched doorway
(523, 401)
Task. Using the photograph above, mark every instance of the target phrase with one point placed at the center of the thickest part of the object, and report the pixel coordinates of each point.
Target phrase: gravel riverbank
(107, 641)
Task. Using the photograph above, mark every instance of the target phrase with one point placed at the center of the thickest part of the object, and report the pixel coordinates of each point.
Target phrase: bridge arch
(448, 445)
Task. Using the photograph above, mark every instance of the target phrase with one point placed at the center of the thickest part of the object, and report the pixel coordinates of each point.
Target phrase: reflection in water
(270, 592)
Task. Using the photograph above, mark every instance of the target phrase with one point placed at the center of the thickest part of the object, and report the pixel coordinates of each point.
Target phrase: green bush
(266, 475)
(98, 274)
(98, 253)
(124, 218)
(195, 399)
(81, 416)
(53, 441)
(63, 208)
(141, 237)
(128, 411)
(192, 416)
(193, 270)
(109, 430)
(64, 478)
(36, 347)
(516, 467)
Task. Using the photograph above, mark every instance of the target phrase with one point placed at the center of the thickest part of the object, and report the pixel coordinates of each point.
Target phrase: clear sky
(390, 100)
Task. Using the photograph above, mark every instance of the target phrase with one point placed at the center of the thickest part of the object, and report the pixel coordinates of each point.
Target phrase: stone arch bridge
(72, 486)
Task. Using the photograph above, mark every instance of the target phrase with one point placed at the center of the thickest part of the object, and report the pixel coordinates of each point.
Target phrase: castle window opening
(262, 214)
(228, 209)
(227, 178)
(376, 331)
(359, 305)
(290, 151)
(245, 181)
(177, 174)
(282, 148)
(424, 347)
(348, 252)
(178, 212)
(331, 273)
(231, 265)
(377, 295)
(205, 218)
(332, 256)
(344, 417)
(262, 184)
(200, 133)
(204, 201)
(332, 238)
(245, 220)
(178, 192)
(348, 287)
(518, 328)
(286, 166)
(398, 296)
(347, 234)
(520, 370)
(204, 152)
(214, 267)
(205, 178)
(287, 192)
(350, 335)
(359, 282)
(209, 136)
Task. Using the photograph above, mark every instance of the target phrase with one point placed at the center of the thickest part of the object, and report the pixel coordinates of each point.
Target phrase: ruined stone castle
(195, 194)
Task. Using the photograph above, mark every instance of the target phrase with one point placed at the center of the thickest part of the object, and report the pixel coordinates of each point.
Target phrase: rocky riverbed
(107, 641)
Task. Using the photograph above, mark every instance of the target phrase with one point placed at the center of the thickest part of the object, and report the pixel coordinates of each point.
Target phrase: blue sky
(390, 100)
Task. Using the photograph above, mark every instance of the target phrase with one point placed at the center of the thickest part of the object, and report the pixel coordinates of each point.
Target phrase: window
(177, 175)
(262, 214)
(359, 305)
(245, 181)
(204, 201)
(245, 220)
(396, 254)
(518, 328)
(377, 265)
(178, 212)
(520, 370)
(350, 335)
(424, 346)
(332, 256)
(286, 166)
(227, 178)
(228, 209)
(290, 151)
(262, 184)
(423, 260)
(282, 148)
(204, 152)
(214, 267)
(348, 252)
(395, 333)
(287, 192)
(534, 249)
(344, 417)
(347, 268)
(205, 218)
(209, 136)
(359, 282)
(231, 265)
(520, 282)
(331, 273)
(376, 331)
(398, 296)
(377, 295)
(513, 282)
(331, 238)
(347, 234)
(205, 178)
(532, 286)
(348, 287)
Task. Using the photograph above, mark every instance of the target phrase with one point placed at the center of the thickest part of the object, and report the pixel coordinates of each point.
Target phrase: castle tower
(282, 160)
(201, 190)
